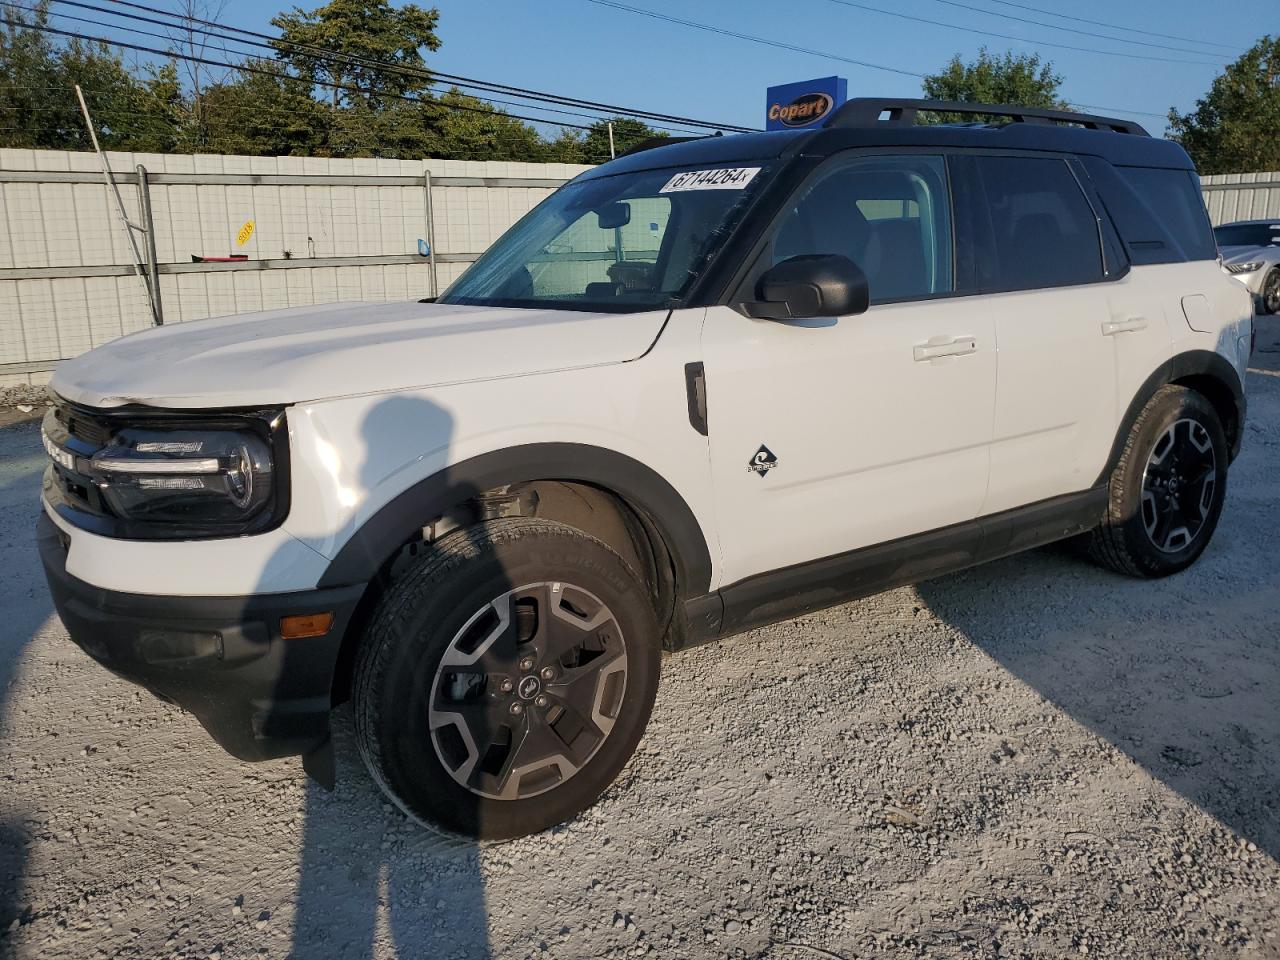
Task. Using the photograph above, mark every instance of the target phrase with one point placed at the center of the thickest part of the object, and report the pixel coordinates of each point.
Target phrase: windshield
(1247, 234)
(630, 242)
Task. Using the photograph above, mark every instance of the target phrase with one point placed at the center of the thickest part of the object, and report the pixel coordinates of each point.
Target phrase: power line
(1007, 36)
(1113, 26)
(777, 44)
(245, 68)
(805, 50)
(1119, 110)
(244, 53)
(1083, 33)
(274, 43)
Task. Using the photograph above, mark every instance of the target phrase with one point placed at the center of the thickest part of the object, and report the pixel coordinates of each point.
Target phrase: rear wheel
(1167, 491)
(506, 678)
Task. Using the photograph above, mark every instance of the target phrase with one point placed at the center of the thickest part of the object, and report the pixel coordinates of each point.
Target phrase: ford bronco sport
(706, 386)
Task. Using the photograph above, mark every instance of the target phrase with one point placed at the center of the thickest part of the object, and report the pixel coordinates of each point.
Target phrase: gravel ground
(1031, 759)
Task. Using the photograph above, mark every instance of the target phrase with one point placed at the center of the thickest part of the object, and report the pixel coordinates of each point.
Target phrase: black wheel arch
(1204, 371)
(361, 558)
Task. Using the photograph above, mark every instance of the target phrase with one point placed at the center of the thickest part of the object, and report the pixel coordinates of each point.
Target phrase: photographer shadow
(371, 880)
(27, 609)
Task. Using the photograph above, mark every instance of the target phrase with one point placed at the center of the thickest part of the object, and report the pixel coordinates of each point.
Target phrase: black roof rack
(866, 112)
(651, 142)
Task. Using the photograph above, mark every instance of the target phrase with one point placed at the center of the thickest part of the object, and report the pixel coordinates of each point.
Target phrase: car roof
(1123, 149)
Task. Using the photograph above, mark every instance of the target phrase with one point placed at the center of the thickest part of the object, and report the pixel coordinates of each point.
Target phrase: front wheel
(1167, 491)
(506, 678)
(1271, 292)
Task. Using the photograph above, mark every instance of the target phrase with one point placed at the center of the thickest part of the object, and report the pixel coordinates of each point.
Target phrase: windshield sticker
(732, 178)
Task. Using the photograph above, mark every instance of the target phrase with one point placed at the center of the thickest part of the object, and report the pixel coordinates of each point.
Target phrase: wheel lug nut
(548, 673)
(526, 663)
(507, 686)
(517, 708)
(541, 700)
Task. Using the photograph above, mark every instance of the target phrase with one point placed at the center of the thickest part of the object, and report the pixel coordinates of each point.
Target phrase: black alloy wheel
(1178, 485)
(1167, 490)
(528, 690)
(505, 677)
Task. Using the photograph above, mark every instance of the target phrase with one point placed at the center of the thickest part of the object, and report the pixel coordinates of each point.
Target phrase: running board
(801, 589)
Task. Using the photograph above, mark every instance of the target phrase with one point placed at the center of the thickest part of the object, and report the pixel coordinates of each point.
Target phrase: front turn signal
(305, 625)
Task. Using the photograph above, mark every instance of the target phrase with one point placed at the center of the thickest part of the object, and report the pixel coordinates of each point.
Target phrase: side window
(889, 215)
(1044, 233)
(1174, 197)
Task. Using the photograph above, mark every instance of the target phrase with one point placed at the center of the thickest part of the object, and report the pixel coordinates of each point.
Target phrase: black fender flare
(359, 559)
(1193, 363)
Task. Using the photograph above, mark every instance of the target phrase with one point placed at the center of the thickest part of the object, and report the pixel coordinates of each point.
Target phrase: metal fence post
(149, 228)
(431, 234)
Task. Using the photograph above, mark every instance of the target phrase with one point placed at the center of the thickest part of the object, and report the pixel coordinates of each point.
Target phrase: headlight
(213, 477)
(1244, 267)
(167, 475)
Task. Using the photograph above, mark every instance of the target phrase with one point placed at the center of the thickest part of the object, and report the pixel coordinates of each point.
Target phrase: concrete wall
(325, 230)
(1242, 196)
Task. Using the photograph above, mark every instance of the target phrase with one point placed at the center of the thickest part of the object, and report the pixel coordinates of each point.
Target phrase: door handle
(938, 347)
(1111, 327)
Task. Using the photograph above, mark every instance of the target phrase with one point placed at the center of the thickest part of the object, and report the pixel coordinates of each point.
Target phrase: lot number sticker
(733, 178)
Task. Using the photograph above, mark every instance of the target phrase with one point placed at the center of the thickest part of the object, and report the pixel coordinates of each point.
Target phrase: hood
(341, 349)
(1235, 253)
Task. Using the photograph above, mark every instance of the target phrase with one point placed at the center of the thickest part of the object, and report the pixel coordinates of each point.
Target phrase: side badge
(763, 461)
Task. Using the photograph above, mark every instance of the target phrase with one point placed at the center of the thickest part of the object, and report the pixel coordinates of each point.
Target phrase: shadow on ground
(26, 608)
(360, 887)
(1185, 683)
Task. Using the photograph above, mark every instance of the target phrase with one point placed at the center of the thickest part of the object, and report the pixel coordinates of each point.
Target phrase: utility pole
(612, 154)
(148, 276)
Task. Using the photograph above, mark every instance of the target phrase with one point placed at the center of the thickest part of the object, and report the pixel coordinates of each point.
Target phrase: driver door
(833, 434)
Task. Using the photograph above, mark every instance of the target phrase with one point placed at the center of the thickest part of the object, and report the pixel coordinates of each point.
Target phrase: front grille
(82, 425)
(80, 433)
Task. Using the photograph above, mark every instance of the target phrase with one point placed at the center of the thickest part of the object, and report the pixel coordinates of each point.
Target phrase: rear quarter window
(1158, 213)
(1174, 196)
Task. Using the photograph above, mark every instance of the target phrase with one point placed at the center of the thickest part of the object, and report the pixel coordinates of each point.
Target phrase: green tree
(1235, 128)
(385, 43)
(627, 133)
(1019, 79)
(470, 129)
(132, 109)
(262, 114)
(566, 148)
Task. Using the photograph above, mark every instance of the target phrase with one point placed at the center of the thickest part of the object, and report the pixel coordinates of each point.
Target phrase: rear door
(1038, 261)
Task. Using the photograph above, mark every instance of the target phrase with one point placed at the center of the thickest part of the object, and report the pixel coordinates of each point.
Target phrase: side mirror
(613, 215)
(821, 285)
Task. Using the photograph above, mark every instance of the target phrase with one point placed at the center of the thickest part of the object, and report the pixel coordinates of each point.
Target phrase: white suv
(704, 387)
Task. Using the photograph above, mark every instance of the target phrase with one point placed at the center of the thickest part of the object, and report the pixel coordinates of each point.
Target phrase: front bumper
(222, 658)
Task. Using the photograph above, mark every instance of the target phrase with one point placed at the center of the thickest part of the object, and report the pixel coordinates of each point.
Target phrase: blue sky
(582, 49)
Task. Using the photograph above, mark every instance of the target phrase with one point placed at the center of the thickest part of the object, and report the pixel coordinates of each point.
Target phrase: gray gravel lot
(1031, 759)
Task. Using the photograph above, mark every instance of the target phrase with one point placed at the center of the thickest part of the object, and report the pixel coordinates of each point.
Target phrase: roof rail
(661, 141)
(865, 112)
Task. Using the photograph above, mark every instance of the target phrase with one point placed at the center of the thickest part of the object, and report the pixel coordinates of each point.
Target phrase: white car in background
(1251, 253)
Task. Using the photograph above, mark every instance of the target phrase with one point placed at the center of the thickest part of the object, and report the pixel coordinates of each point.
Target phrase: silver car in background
(1251, 253)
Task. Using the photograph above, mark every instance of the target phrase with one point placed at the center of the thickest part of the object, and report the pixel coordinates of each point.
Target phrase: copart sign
(808, 103)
